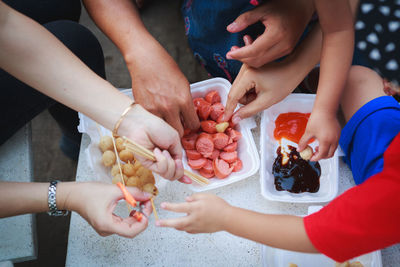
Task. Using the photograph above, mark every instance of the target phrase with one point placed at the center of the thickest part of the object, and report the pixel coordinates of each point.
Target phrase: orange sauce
(291, 126)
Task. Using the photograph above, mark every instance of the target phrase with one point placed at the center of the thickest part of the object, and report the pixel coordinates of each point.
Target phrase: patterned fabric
(205, 26)
(378, 36)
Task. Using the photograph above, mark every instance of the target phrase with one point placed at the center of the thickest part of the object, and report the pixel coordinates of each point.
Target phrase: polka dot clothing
(378, 36)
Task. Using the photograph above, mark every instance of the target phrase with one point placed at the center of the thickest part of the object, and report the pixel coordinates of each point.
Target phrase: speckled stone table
(17, 234)
(168, 247)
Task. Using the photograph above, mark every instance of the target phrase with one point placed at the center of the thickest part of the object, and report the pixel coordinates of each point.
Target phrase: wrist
(65, 195)
(227, 217)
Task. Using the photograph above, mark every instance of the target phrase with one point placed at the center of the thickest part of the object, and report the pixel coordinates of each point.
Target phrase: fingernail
(236, 119)
(179, 164)
(157, 151)
(233, 26)
(187, 180)
(158, 223)
(163, 205)
(228, 56)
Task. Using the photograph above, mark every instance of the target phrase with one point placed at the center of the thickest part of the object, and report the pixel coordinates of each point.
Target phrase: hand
(161, 88)
(284, 23)
(205, 214)
(326, 129)
(260, 88)
(96, 202)
(156, 135)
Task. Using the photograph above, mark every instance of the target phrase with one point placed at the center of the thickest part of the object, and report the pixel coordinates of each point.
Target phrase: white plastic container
(247, 151)
(274, 257)
(329, 180)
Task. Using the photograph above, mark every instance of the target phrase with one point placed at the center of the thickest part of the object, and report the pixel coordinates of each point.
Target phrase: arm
(34, 56)
(274, 81)
(336, 57)
(207, 213)
(95, 202)
(157, 82)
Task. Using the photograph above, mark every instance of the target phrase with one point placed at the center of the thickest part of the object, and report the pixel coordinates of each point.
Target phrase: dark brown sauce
(297, 175)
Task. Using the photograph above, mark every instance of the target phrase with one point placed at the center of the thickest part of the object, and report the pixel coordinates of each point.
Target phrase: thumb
(138, 194)
(304, 140)
(239, 88)
(252, 108)
(243, 21)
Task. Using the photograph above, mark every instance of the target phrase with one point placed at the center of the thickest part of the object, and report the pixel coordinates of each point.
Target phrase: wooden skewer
(154, 208)
(144, 152)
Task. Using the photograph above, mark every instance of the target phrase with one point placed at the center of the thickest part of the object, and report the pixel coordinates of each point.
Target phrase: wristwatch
(53, 211)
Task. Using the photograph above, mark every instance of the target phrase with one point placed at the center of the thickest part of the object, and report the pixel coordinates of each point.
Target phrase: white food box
(247, 151)
(274, 257)
(329, 180)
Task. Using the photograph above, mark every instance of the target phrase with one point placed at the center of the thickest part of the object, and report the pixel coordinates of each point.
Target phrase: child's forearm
(336, 57)
(281, 231)
(33, 55)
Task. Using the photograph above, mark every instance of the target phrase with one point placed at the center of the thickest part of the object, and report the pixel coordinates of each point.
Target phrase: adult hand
(96, 202)
(324, 127)
(284, 22)
(205, 214)
(156, 135)
(161, 88)
(260, 88)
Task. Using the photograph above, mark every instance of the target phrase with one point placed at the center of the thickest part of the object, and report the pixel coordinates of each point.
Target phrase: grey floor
(164, 21)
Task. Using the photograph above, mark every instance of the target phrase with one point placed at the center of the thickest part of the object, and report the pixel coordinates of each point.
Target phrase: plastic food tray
(273, 257)
(329, 180)
(247, 151)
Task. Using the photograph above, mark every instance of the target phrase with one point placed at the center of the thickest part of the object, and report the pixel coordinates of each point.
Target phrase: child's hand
(260, 88)
(326, 129)
(284, 21)
(206, 213)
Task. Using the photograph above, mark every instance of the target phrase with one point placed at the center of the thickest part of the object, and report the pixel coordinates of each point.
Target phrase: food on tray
(291, 126)
(125, 155)
(213, 149)
(133, 173)
(292, 265)
(307, 153)
(106, 143)
(108, 158)
(349, 264)
(292, 170)
(294, 174)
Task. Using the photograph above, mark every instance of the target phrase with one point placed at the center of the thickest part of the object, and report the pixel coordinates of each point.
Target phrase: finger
(137, 193)
(178, 169)
(304, 141)
(239, 88)
(247, 39)
(173, 118)
(176, 207)
(243, 21)
(130, 227)
(323, 149)
(147, 208)
(252, 108)
(170, 166)
(185, 180)
(190, 118)
(332, 150)
(177, 223)
(160, 166)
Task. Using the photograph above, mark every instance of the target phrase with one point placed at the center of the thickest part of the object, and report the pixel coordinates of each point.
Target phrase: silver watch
(53, 211)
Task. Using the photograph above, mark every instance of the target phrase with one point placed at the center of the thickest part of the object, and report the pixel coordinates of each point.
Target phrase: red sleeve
(364, 218)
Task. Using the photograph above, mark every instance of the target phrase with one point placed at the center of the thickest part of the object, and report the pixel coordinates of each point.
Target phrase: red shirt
(364, 218)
